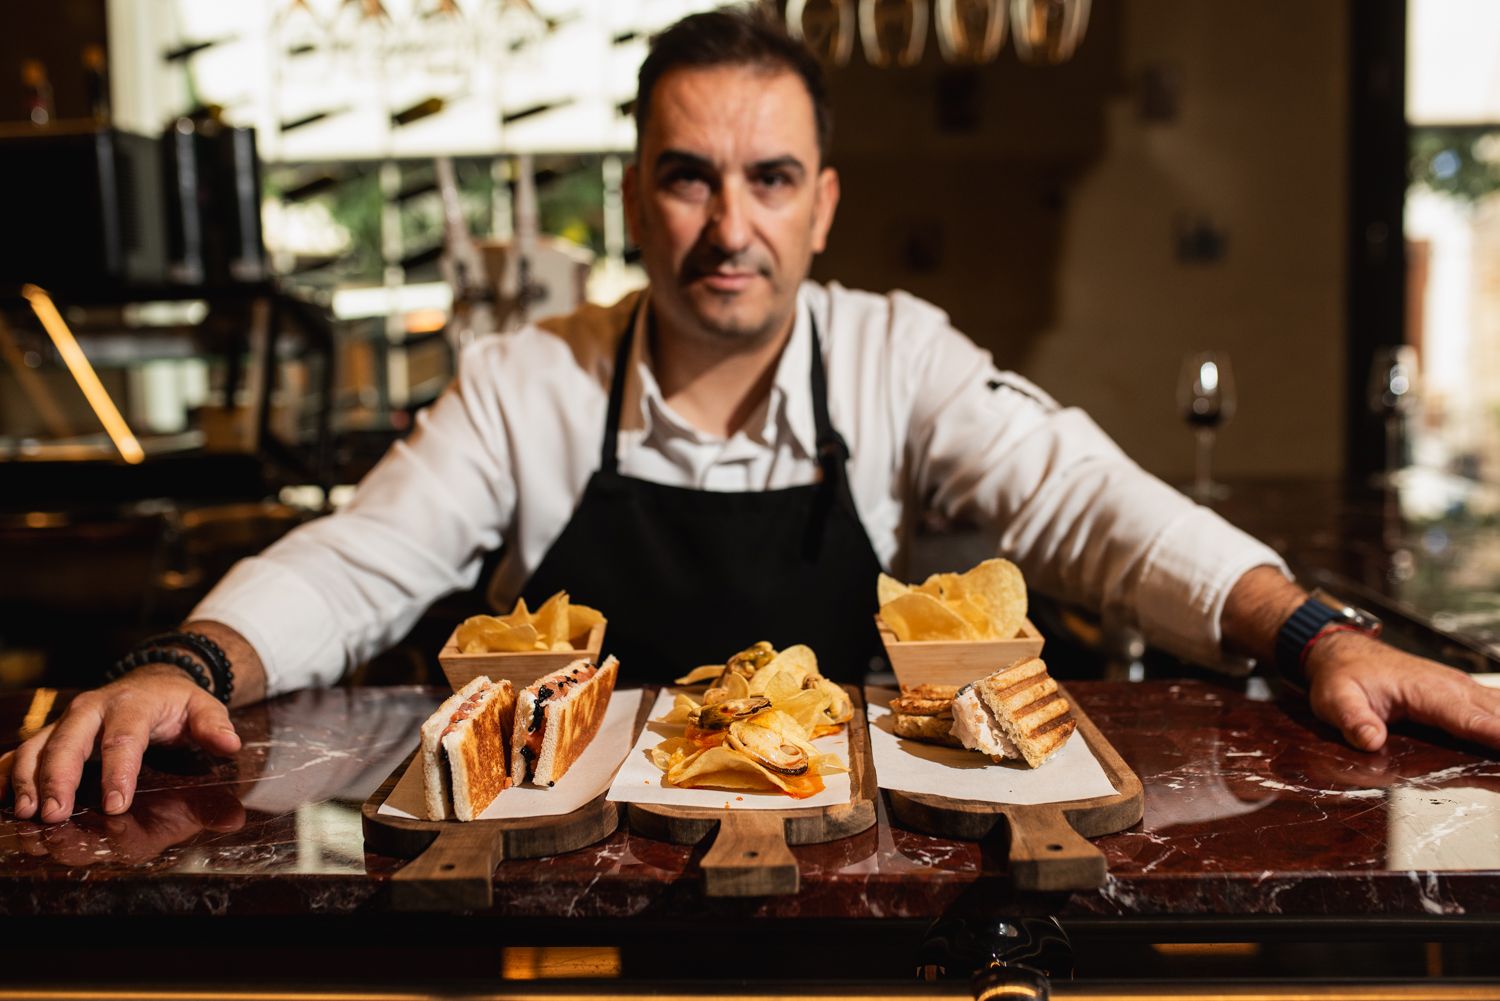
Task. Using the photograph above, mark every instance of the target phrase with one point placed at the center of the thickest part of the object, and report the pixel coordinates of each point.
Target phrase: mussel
(721, 714)
(751, 659)
(766, 747)
(840, 707)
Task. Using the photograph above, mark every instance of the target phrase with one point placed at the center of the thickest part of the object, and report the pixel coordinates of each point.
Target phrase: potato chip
(723, 768)
(558, 625)
(921, 617)
(551, 620)
(798, 659)
(997, 588)
(514, 639)
(803, 704)
(939, 585)
(582, 620)
(987, 602)
(698, 675)
(776, 684)
(888, 589)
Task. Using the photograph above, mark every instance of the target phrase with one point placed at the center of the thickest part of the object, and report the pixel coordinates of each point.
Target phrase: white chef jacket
(931, 423)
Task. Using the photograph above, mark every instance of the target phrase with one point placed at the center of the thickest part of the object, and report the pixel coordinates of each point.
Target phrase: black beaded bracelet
(212, 655)
(141, 656)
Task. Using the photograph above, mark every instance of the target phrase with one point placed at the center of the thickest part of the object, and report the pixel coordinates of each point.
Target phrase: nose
(729, 219)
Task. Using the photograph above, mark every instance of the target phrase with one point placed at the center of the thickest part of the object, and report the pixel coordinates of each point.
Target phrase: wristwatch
(1320, 614)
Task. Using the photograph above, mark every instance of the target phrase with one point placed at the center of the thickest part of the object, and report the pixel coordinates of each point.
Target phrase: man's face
(729, 201)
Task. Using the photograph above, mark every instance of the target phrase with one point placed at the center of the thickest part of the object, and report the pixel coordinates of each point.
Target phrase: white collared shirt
(503, 457)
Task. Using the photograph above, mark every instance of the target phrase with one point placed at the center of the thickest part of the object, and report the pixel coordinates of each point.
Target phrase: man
(732, 455)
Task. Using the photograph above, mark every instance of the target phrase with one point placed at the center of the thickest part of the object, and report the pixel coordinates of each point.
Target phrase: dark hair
(738, 36)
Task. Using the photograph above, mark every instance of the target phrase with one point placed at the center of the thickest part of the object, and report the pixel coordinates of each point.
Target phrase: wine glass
(970, 31)
(826, 27)
(1205, 397)
(893, 31)
(1392, 397)
(1047, 32)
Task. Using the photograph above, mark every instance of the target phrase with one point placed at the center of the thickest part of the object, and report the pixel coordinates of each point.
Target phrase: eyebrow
(682, 158)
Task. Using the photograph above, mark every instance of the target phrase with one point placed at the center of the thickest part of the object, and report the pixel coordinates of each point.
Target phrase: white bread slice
(436, 789)
(1028, 709)
(476, 751)
(569, 721)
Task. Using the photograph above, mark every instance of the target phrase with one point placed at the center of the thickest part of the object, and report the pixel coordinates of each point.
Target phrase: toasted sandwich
(465, 752)
(557, 716)
(1017, 712)
(925, 713)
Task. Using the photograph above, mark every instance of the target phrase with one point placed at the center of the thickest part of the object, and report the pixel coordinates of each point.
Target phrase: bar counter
(1253, 809)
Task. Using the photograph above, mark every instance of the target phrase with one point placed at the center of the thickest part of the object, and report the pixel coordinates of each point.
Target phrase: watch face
(1356, 617)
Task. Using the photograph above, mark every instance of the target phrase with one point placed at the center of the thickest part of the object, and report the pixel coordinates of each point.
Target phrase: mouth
(728, 281)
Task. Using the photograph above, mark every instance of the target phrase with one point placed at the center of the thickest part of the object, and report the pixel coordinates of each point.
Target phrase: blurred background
(243, 243)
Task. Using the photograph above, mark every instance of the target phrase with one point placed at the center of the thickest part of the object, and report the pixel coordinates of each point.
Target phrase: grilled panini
(1015, 712)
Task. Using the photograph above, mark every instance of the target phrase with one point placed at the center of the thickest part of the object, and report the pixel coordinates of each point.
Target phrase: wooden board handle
(455, 873)
(1047, 854)
(749, 857)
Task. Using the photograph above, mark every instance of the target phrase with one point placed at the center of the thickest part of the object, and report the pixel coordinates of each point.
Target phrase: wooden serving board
(749, 856)
(1048, 846)
(453, 863)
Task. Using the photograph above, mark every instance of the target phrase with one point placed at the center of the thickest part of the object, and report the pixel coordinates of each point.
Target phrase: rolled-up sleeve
(1083, 521)
(336, 591)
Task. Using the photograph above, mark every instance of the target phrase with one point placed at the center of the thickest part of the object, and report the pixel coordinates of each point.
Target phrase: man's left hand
(1361, 685)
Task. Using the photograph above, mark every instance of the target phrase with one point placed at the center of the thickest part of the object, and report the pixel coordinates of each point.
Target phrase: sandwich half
(556, 718)
(1017, 712)
(465, 750)
(925, 713)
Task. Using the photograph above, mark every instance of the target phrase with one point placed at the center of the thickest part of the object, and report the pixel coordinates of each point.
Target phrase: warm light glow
(527, 962)
(1208, 376)
(83, 374)
(36, 713)
(1207, 948)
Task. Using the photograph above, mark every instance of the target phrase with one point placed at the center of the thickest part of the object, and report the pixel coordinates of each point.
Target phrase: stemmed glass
(826, 27)
(1047, 32)
(1392, 396)
(893, 31)
(970, 31)
(1205, 397)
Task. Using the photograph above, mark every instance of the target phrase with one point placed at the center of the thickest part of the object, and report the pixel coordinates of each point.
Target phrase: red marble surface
(1252, 808)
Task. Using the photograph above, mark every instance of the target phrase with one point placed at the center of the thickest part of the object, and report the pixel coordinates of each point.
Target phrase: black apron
(688, 577)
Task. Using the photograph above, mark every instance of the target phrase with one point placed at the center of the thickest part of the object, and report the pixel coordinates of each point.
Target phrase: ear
(630, 190)
(825, 204)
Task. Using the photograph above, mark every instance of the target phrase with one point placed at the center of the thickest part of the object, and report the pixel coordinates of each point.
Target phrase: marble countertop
(1252, 808)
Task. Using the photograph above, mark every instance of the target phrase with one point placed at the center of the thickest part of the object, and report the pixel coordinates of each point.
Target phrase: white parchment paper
(589, 776)
(640, 781)
(911, 766)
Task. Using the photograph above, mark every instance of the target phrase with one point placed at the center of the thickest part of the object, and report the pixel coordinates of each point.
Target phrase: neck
(713, 384)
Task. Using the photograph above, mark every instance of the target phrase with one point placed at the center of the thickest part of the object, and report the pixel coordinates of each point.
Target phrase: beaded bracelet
(209, 652)
(141, 656)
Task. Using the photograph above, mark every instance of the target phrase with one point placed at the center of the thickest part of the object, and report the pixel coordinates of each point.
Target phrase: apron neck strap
(832, 451)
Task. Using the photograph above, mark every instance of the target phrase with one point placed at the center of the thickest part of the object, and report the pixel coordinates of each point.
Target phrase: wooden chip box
(955, 662)
(521, 668)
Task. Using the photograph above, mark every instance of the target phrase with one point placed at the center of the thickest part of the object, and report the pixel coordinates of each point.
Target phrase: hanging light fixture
(1047, 32)
(893, 31)
(970, 31)
(826, 27)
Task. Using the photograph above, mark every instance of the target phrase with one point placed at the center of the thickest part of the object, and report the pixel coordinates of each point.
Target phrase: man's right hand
(155, 704)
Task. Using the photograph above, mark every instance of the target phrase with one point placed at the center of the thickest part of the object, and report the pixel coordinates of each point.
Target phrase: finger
(23, 772)
(127, 731)
(1458, 704)
(60, 764)
(1346, 705)
(208, 722)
